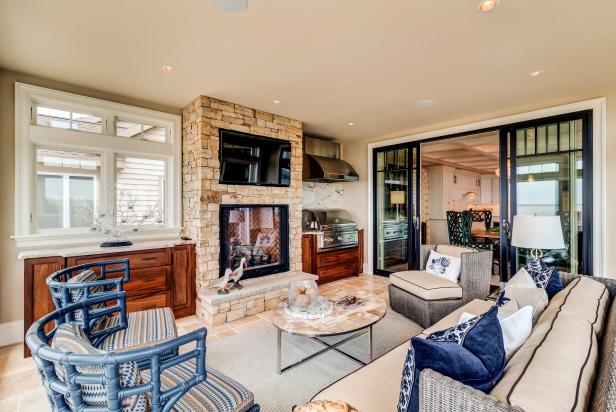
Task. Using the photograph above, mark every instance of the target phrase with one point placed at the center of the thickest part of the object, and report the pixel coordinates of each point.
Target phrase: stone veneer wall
(202, 192)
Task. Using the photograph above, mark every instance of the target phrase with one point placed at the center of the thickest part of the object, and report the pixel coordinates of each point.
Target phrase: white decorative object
(237, 274)
(445, 266)
(536, 233)
(120, 217)
(319, 310)
(303, 295)
(221, 283)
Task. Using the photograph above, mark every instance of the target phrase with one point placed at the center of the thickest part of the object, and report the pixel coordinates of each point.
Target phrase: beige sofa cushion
(560, 355)
(426, 285)
(451, 250)
(376, 386)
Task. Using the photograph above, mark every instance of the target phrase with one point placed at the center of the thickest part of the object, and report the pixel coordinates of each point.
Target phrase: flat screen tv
(254, 160)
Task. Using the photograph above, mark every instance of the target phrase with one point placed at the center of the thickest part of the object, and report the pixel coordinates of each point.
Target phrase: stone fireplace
(203, 195)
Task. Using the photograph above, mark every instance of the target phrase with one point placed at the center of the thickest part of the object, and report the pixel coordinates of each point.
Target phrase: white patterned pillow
(70, 337)
(444, 266)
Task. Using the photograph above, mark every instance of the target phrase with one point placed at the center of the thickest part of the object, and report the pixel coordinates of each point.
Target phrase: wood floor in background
(21, 389)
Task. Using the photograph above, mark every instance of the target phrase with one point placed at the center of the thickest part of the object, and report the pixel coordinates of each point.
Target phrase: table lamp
(397, 197)
(537, 233)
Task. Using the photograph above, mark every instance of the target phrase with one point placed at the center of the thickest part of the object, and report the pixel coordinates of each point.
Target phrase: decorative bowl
(303, 295)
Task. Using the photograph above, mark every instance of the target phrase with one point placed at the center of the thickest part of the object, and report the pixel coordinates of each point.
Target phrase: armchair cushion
(218, 393)
(71, 338)
(426, 285)
(145, 328)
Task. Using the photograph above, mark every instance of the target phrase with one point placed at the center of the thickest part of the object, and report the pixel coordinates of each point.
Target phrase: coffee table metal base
(327, 347)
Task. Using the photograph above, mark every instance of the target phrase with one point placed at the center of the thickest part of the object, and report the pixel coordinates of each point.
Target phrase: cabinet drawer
(337, 272)
(147, 280)
(138, 260)
(158, 300)
(337, 258)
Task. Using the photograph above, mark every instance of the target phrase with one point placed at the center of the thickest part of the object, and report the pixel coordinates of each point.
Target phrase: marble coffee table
(341, 321)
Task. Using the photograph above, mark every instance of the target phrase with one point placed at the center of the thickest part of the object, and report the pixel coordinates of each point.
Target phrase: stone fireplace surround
(203, 195)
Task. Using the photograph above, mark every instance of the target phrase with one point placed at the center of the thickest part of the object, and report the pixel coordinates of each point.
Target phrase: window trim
(29, 135)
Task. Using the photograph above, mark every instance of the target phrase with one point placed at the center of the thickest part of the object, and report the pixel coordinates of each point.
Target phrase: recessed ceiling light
(351, 124)
(231, 6)
(276, 101)
(535, 73)
(424, 103)
(168, 69)
(487, 5)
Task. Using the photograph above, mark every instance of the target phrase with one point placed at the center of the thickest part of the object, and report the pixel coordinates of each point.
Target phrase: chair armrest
(438, 393)
(475, 274)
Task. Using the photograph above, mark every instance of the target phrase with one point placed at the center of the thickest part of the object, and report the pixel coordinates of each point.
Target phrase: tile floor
(20, 385)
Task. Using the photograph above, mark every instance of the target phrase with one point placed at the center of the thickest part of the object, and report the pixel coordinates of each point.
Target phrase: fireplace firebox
(258, 233)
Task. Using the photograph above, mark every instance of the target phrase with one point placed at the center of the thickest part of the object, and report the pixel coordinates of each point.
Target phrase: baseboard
(11, 332)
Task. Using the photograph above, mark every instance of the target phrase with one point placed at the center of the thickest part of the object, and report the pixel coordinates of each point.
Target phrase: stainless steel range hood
(322, 162)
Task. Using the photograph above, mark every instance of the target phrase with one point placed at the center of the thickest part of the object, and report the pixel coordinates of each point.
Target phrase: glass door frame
(413, 206)
(508, 187)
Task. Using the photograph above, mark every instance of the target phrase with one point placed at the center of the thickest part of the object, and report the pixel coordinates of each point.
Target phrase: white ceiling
(330, 62)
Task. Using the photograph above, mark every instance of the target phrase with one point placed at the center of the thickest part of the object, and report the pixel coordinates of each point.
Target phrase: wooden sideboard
(158, 278)
(330, 265)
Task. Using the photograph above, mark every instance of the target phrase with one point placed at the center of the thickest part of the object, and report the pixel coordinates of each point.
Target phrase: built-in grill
(334, 227)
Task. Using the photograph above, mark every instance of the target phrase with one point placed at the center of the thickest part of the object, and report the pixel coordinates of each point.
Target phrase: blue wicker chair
(79, 377)
(122, 331)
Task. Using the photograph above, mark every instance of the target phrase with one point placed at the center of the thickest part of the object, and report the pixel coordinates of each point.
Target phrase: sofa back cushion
(560, 355)
(604, 394)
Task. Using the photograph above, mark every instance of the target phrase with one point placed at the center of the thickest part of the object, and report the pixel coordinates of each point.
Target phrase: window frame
(29, 135)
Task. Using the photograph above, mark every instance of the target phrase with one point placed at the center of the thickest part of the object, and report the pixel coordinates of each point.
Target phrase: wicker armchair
(474, 281)
(83, 378)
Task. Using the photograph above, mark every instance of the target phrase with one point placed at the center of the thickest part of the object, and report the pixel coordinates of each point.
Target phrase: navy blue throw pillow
(545, 277)
(471, 353)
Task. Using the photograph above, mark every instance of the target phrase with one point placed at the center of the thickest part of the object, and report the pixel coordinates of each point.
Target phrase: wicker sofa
(541, 375)
(425, 298)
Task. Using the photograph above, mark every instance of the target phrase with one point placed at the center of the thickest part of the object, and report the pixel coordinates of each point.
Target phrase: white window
(76, 155)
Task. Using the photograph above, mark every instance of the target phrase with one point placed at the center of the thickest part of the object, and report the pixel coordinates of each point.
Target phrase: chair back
(484, 216)
(84, 282)
(100, 372)
(454, 227)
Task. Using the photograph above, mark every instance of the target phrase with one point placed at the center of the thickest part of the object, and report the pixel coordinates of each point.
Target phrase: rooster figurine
(221, 283)
(237, 275)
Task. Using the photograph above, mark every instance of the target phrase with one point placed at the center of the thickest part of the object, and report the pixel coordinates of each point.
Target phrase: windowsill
(43, 242)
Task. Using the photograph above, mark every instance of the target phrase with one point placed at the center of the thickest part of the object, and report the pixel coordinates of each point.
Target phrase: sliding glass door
(546, 169)
(396, 217)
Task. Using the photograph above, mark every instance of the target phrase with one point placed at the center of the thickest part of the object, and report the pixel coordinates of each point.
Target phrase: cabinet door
(183, 289)
(449, 190)
(37, 298)
(486, 190)
(496, 190)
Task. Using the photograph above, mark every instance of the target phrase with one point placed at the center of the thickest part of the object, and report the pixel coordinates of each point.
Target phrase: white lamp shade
(537, 232)
(397, 197)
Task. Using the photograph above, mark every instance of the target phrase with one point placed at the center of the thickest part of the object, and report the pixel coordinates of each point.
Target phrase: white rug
(250, 358)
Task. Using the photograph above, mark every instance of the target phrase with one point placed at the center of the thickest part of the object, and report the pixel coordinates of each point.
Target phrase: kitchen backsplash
(322, 195)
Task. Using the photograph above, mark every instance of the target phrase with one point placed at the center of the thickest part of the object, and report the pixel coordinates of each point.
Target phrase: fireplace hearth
(257, 233)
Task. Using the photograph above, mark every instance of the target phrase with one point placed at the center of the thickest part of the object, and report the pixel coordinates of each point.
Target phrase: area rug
(250, 358)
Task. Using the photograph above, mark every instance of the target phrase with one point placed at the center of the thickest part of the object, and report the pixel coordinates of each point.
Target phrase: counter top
(97, 250)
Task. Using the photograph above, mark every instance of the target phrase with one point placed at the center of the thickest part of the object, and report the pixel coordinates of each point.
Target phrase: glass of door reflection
(391, 205)
(549, 181)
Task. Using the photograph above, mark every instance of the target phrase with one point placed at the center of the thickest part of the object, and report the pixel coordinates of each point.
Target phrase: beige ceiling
(477, 153)
(330, 62)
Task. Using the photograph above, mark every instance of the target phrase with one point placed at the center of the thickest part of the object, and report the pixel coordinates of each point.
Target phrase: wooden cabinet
(330, 265)
(158, 278)
(490, 189)
(442, 184)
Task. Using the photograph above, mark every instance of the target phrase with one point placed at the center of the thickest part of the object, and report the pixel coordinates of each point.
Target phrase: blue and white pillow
(471, 353)
(444, 266)
(545, 277)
